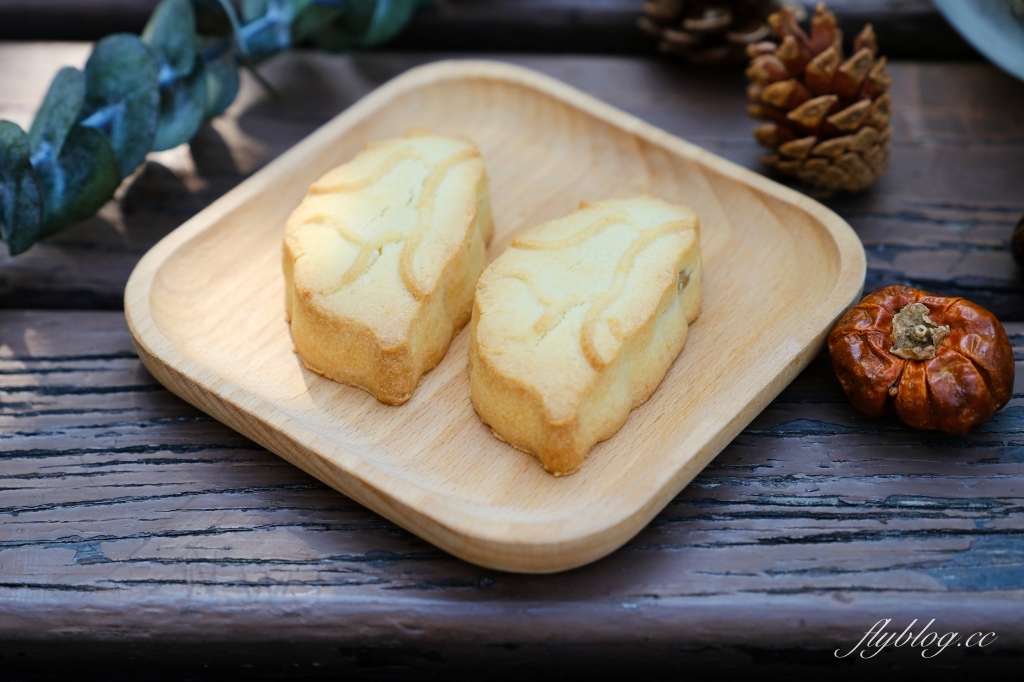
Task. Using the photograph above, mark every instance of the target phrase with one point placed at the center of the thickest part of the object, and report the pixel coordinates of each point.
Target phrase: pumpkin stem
(914, 335)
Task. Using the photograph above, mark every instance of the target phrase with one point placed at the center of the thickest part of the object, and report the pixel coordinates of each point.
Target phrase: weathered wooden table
(137, 531)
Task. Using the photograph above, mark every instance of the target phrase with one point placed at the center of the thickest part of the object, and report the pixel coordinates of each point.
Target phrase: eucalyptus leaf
(236, 27)
(389, 18)
(20, 200)
(94, 128)
(60, 108)
(269, 25)
(364, 23)
(171, 33)
(314, 19)
(80, 181)
(263, 44)
(344, 32)
(222, 84)
(182, 106)
(253, 10)
(257, 9)
(297, 7)
(267, 33)
(122, 97)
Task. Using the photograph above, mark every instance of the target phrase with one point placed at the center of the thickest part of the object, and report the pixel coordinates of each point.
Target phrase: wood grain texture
(940, 218)
(812, 525)
(131, 519)
(206, 308)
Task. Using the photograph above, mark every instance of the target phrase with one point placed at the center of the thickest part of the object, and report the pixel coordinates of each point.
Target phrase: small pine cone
(827, 118)
(707, 32)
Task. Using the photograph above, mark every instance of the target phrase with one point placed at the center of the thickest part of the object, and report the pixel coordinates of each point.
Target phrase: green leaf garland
(75, 168)
(122, 97)
(182, 109)
(222, 83)
(57, 114)
(151, 93)
(171, 34)
(20, 201)
(79, 181)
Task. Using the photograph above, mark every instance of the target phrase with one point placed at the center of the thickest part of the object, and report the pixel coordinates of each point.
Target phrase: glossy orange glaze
(968, 380)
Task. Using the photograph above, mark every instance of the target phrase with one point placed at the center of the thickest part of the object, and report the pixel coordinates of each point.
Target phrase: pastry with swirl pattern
(576, 324)
(381, 258)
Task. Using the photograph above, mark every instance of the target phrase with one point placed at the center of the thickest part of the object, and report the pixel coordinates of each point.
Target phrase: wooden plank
(128, 517)
(940, 218)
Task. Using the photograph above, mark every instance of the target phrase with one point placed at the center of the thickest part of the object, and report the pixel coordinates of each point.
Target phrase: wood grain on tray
(206, 306)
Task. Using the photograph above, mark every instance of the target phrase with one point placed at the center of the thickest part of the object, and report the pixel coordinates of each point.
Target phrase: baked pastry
(579, 320)
(380, 261)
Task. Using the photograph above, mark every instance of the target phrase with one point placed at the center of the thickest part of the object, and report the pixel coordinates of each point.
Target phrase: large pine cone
(829, 118)
(710, 32)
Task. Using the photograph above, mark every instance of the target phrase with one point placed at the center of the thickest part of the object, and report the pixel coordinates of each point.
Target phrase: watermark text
(931, 643)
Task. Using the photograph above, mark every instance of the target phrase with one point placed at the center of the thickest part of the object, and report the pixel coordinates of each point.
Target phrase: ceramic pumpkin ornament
(939, 363)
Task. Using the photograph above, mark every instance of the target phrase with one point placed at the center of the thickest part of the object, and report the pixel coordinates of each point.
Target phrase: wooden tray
(206, 308)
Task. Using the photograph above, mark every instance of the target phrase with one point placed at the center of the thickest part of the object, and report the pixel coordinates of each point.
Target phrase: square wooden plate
(206, 308)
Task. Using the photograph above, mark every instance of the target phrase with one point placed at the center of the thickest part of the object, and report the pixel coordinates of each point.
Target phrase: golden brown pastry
(380, 261)
(578, 322)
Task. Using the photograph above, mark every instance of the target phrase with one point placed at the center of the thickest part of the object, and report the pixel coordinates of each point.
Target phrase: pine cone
(707, 32)
(829, 118)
